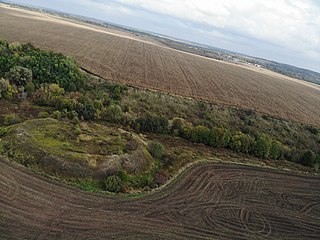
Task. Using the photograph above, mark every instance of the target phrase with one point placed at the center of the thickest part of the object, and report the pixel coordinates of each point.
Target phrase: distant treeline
(290, 71)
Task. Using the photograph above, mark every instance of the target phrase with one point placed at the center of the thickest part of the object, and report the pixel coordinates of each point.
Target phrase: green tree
(152, 123)
(201, 134)
(20, 76)
(85, 108)
(241, 142)
(308, 158)
(221, 137)
(235, 142)
(276, 150)
(247, 143)
(262, 146)
(181, 127)
(116, 93)
(112, 113)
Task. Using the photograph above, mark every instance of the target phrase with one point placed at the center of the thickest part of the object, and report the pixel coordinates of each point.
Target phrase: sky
(286, 31)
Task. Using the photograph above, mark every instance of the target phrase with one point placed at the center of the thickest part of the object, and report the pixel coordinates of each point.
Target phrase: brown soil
(209, 202)
(139, 62)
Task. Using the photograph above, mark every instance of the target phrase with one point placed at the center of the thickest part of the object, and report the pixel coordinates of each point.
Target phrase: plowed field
(136, 62)
(208, 202)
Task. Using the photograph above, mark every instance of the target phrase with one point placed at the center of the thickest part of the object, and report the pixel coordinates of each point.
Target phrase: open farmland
(136, 62)
(209, 202)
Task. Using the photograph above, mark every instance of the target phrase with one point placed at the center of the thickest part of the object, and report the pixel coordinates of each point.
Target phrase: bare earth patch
(209, 202)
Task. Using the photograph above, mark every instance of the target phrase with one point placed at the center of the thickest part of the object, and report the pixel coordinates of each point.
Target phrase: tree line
(54, 80)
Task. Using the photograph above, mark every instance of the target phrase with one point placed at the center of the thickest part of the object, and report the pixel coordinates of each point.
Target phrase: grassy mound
(76, 150)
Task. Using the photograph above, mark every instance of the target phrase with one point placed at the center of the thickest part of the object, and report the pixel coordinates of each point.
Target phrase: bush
(308, 158)
(113, 184)
(201, 134)
(43, 115)
(123, 175)
(77, 130)
(276, 151)
(156, 150)
(241, 142)
(85, 108)
(152, 123)
(57, 115)
(30, 88)
(142, 180)
(11, 119)
(181, 128)
(221, 137)
(313, 130)
(3, 131)
(7, 91)
(112, 113)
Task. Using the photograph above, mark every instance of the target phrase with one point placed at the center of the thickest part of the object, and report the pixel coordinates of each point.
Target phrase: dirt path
(208, 202)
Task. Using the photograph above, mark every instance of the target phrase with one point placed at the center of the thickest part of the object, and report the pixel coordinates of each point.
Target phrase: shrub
(276, 150)
(11, 119)
(308, 158)
(7, 91)
(247, 143)
(3, 131)
(123, 175)
(181, 128)
(77, 130)
(177, 126)
(152, 123)
(54, 90)
(142, 180)
(57, 115)
(156, 150)
(43, 115)
(112, 113)
(98, 104)
(117, 91)
(30, 88)
(113, 184)
(201, 134)
(313, 130)
(85, 108)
